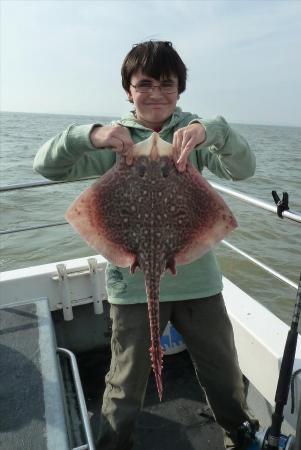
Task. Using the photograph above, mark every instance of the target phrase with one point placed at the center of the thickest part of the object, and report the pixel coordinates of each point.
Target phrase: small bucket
(171, 341)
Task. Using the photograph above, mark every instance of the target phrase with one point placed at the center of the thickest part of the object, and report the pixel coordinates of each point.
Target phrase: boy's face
(155, 107)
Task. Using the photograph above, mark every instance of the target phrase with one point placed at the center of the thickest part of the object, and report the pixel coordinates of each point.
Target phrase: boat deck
(33, 397)
(182, 421)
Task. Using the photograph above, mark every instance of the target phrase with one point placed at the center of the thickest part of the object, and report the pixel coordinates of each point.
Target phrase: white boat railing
(291, 215)
(37, 184)
(263, 266)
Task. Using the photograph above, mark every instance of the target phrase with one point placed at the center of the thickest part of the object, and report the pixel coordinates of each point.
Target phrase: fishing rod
(272, 438)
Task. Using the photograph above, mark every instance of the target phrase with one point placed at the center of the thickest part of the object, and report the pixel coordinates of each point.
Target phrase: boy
(153, 77)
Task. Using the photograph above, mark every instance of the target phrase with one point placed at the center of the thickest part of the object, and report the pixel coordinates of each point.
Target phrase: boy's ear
(129, 96)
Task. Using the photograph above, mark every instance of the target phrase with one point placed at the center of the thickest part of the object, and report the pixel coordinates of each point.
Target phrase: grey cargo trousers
(208, 335)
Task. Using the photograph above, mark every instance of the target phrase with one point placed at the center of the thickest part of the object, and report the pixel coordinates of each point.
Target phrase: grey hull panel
(31, 405)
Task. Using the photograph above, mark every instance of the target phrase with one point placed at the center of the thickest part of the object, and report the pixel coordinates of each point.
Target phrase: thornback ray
(148, 215)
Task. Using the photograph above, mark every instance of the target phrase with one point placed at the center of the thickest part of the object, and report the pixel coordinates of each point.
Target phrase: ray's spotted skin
(148, 215)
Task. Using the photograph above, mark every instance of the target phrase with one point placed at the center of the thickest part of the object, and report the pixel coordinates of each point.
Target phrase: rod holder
(96, 286)
(65, 294)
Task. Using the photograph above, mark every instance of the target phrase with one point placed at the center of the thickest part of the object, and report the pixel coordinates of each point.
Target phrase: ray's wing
(210, 218)
(86, 216)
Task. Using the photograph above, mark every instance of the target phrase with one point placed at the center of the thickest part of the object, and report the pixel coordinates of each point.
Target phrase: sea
(274, 241)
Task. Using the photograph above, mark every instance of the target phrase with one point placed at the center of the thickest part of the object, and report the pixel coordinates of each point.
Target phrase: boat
(55, 350)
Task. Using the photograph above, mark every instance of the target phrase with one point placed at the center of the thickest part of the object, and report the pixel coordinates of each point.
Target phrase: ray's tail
(156, 351)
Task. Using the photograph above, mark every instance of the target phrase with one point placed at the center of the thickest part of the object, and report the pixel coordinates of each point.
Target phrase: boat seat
(31, 398)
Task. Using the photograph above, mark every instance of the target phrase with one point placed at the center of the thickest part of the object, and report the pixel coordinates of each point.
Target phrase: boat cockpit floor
(182, 421)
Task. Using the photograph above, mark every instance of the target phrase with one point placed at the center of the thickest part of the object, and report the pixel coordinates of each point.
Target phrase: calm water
(274, 241)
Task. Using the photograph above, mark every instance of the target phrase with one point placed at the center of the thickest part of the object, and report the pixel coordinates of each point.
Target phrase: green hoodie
(71, 155)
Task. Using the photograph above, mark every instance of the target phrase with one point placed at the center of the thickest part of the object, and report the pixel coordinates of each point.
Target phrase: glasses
(146, 87)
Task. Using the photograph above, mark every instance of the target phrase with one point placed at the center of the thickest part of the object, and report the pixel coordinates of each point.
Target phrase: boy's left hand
(184, 141)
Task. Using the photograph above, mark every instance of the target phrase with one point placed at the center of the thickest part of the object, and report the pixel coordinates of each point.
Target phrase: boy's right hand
(116, 137)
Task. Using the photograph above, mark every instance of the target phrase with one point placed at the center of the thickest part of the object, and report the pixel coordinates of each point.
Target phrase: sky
(64, 56)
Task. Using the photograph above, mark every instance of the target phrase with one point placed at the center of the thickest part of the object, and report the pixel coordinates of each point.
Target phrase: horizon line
(118, 116)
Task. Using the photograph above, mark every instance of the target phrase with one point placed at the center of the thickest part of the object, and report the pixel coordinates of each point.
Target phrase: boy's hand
(184, 141)
(116, 137)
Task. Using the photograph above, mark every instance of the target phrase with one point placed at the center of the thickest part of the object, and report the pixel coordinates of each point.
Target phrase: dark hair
(155, 59)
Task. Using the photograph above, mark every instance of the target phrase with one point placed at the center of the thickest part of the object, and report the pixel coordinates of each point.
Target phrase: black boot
(243, 437)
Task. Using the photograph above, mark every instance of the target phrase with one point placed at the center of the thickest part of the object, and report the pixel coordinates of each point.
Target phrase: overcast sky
(243, 57)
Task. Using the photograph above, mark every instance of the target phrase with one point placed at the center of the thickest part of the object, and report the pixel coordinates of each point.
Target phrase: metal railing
(263, 266)
(80, 398)
(31, 185)
(37, 184)
(290, 215)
